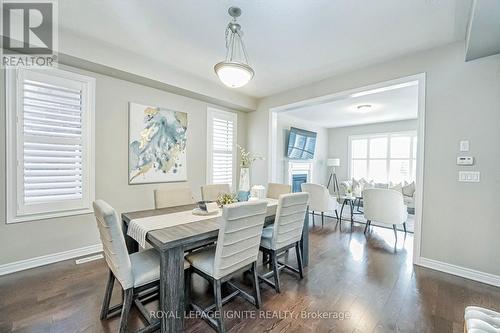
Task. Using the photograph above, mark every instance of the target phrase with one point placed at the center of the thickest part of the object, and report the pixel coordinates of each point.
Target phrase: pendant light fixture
(234, 71)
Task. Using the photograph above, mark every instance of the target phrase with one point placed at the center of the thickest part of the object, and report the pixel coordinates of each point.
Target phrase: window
(383, 158)
(221, 147)
(50, 144)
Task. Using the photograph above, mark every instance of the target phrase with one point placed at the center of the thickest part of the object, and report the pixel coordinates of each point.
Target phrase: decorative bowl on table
(203, 205)
(206, 208)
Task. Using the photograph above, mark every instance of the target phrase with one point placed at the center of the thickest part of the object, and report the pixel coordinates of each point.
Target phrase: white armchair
(384, 206)
(320, 200)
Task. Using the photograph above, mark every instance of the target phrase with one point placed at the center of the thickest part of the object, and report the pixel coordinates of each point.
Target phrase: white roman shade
(52, 112)
(222, 147)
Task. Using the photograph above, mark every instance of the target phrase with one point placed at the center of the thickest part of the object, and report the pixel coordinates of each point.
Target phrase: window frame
(14, 139)
(233, 116)
(388, 135)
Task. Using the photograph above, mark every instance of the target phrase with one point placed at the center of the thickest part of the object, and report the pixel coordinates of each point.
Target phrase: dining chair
(212, 192)
(320, 200)
(138, 273)
(274, 190)
(481, 320)
(284, 234)
(237, 249)
(172, 197)
(384, 206)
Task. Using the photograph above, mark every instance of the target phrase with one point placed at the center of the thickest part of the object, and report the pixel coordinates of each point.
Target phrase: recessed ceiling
(363, 108)
(290, 42)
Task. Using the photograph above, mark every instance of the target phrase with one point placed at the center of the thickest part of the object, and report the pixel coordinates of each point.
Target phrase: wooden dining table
(172, 242)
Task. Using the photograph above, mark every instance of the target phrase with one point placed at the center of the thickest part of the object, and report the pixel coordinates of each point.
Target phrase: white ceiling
(290, 42)
(391, 105)
(484, 30)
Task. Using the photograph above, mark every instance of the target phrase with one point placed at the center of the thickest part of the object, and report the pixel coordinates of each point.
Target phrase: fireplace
(297, 180)
(298, 173)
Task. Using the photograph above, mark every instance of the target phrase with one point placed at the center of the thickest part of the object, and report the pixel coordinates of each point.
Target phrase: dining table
(172, 242)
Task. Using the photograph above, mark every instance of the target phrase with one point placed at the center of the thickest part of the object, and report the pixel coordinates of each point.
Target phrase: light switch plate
(464, 145)
(469, 176)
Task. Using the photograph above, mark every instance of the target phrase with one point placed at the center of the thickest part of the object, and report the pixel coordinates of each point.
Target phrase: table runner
(139, 228)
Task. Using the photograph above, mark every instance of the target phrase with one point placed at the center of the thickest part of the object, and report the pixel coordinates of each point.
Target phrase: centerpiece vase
(244, 184)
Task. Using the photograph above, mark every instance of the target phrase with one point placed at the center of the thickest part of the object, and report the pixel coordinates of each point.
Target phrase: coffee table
(350, 200)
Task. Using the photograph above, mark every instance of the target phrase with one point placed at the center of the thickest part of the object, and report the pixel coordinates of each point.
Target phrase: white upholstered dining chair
(237, 249)
(384, 206)
(481, 320)
(166, 198)
(138, 273)
(320, 200)
(274, 190)
(212, 192)
(285, 234)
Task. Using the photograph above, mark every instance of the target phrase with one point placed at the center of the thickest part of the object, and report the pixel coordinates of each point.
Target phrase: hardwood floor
(364, 278)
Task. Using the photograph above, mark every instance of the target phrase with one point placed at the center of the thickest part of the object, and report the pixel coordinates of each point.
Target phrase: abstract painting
(157, 145)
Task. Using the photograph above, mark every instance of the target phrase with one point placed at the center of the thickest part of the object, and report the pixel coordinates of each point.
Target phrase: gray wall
(284, 123)
(460, 220)
(338, 139)
(32, 239)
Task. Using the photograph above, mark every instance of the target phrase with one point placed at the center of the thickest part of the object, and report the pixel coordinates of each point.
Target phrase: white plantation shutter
(222, 147)
(53, 157)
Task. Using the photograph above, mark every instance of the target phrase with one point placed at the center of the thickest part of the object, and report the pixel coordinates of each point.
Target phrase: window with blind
(221, 147)
(50, 123)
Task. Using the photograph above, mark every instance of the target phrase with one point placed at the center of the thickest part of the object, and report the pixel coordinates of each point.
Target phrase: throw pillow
(357, 187)
(381, 185)
(369, 184)
(396, 187)
(409, 189)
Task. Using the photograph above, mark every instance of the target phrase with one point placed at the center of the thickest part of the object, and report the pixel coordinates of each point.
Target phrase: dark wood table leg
(304, 242)
(342, 209)
(132, 245)
(172, 290)
(351, 203)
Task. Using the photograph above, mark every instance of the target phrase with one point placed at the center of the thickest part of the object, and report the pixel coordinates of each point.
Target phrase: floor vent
(88, 259)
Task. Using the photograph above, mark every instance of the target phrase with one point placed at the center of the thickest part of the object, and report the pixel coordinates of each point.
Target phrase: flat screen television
(301, 144)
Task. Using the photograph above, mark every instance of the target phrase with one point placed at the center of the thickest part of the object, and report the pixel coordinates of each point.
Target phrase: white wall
(284, 123)
(338, 140)
(108, 55)
(32, 239)
(460, 220)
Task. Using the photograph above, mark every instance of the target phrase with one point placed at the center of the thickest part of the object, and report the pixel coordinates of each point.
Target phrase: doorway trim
(421, 79)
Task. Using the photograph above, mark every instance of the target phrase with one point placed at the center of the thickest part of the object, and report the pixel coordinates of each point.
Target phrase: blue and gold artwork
(157, 144)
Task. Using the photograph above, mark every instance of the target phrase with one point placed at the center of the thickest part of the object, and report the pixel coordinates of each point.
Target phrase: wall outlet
(469, 176)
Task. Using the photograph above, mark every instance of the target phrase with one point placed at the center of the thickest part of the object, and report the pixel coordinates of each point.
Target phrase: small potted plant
(226, 199)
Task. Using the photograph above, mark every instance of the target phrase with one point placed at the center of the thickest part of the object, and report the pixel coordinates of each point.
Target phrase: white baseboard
(467, 273)
(48, 259)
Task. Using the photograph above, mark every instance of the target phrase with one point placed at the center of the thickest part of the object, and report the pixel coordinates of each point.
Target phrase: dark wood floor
(362, 277)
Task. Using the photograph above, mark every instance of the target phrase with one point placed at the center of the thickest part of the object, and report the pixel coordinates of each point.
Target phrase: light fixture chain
(245, 54)
(234, 72)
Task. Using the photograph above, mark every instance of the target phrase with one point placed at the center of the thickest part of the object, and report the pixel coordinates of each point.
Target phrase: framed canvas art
(157, 144)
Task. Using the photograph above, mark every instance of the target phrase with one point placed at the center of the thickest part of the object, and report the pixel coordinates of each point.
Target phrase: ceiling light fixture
(364, 107)
(234, 71)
